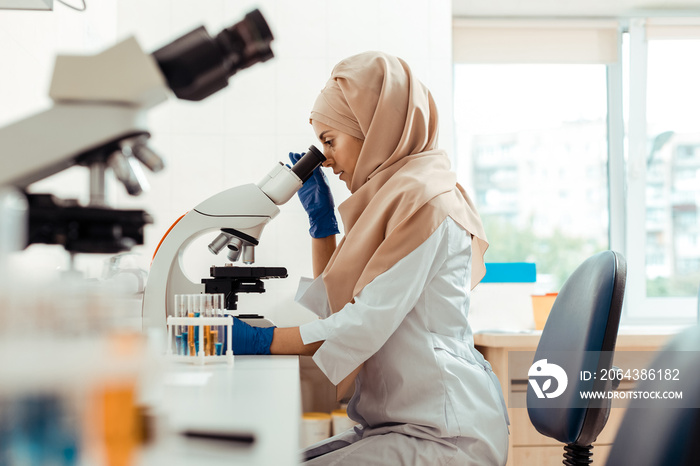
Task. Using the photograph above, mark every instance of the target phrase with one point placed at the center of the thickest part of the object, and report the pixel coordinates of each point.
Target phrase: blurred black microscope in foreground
(98, 120)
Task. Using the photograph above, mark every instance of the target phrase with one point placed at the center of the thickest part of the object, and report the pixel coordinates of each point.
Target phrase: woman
(394, 294)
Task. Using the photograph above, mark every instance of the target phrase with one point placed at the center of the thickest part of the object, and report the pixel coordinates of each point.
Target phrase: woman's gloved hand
(246, 339)
(315, 195)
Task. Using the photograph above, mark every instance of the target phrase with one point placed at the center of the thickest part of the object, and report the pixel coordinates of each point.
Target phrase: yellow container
(541, 305)
(315, 427)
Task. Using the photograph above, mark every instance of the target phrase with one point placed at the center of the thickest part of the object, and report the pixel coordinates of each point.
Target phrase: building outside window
(536, 146)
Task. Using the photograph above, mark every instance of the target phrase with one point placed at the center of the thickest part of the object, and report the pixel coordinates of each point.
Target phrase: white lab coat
(422, 377)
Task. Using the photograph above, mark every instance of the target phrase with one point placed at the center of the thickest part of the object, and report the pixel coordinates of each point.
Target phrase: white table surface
(259, 395)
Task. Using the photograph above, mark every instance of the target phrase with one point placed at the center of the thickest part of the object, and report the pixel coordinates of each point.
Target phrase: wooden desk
(527, 446)
(258, 395)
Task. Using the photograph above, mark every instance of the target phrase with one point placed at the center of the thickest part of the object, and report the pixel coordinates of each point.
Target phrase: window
(580, 137)
(673, 120)
(533, 138)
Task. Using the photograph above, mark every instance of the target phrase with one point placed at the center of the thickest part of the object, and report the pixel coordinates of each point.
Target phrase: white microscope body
(241, 213)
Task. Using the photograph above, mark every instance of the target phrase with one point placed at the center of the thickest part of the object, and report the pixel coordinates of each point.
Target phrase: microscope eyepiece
(246, 42)
(283, 181)
(308, 163)
(197, 65)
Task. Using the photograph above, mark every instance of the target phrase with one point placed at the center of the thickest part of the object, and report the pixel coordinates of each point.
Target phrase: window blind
(672, 28)
(529, 41)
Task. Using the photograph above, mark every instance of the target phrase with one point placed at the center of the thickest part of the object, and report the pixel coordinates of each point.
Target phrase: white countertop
(258, 395)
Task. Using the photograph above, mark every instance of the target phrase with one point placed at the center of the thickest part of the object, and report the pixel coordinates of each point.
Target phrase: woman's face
(340, 149)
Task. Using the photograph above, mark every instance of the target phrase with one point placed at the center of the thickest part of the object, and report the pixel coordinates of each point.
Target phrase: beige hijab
(402, 187)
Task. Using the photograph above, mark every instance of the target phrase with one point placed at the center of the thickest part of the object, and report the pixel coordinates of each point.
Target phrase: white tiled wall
(235, 136)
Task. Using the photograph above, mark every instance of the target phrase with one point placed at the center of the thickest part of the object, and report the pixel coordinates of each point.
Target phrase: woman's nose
(326, 163)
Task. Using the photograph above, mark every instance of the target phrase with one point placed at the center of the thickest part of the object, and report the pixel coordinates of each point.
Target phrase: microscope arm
(240, 213)
(249, 210)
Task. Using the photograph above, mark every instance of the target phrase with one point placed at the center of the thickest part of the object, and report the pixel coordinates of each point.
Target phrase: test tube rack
(200, 323)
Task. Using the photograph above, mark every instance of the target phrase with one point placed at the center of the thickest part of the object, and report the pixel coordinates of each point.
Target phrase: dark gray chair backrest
(580, 335)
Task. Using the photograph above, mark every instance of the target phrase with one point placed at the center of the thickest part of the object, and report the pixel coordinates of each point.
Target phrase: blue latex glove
(247, 339)
(315, 195)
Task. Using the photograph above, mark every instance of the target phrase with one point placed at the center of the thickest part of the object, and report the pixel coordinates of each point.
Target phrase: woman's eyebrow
(320, 136)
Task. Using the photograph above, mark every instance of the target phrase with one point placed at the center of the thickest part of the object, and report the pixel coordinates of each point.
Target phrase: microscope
(98, 120)
(239, 215)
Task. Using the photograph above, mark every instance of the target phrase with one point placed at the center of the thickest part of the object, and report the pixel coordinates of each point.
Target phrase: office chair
(579, 336)
(664, 431)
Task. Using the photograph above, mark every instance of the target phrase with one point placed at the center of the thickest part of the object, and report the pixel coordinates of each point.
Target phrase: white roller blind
(672, 28)
(526, 41)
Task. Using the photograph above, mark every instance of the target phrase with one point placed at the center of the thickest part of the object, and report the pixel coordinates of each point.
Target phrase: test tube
(214, 337)
(219, 306)
(205, 309)
(184, 330)
(199, 337)
(213, 330)
(181, 311)
(178, 329)
(194, 310)
(191, 304)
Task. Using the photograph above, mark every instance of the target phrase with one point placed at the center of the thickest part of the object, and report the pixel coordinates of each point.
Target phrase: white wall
(30, 41)
(235, 136)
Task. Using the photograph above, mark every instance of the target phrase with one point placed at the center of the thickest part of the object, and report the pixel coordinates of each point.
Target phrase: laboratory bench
(634, 348)
(257, 398)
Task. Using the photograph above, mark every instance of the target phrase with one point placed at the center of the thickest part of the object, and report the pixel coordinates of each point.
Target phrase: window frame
(639, 308)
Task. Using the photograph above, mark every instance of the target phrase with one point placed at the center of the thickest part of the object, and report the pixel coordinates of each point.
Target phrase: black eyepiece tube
(308, 163)
(197, 65)
(246, 43)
